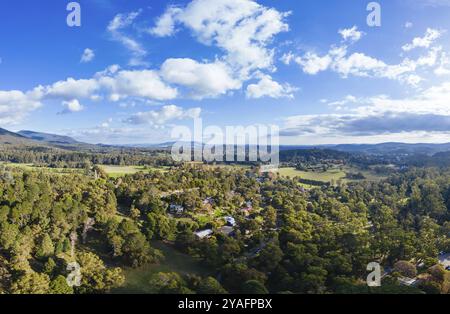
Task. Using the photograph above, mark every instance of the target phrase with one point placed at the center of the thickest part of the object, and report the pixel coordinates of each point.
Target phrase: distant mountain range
(393, 148)
(32, 138)
(47, 137)
(372, 149)
(8, 138)
(39, 139)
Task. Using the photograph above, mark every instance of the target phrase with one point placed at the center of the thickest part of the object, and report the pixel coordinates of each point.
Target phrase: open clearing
(137, 280)
(310, 175)
(120, 171)
(112, 171)
(328, 176)
(32, 167)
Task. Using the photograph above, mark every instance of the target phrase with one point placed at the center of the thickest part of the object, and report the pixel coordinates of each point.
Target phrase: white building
(230, 221)
(204, 234)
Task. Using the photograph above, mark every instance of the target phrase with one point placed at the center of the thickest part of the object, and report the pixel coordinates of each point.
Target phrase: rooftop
(204, 233)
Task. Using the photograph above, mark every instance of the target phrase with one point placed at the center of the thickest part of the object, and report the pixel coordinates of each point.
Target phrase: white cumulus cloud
(165, 24)
(16, 105)
(351, 34)
(139, 83)
(71, 106)
(243, 29)
(158, 118)
(204, 79)
(339, 60)
(266, 87)
(424, 42)
(87, 56)
(116, 28)
(427, 112)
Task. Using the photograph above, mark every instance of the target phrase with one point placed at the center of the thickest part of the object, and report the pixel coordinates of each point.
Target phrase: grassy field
(112, 171)
(32, 167)
(328, 176)
(230, 166)
(137, 280)
(316, 176)
(371, 176)
(120, 171)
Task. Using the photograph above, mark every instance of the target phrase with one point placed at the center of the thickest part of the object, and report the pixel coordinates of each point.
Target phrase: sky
(134, 70)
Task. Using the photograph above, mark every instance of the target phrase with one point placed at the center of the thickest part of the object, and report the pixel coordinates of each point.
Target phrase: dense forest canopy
(281, 238)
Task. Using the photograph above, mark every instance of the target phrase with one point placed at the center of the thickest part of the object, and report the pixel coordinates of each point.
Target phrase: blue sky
(134, 69)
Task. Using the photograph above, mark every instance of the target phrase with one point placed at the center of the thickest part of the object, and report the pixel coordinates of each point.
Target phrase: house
(409, 282)
(176, 209)
(230, 221)
(204, 234)
(208, 201)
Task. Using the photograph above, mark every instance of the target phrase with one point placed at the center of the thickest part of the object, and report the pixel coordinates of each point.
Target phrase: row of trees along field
(62, 158)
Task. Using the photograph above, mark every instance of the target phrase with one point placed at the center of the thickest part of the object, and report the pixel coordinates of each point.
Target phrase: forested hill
(312, 154)
(394, 148)
(47, 137)
(13, 139)
(38, 141)
(62, 149)
(61, 141)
